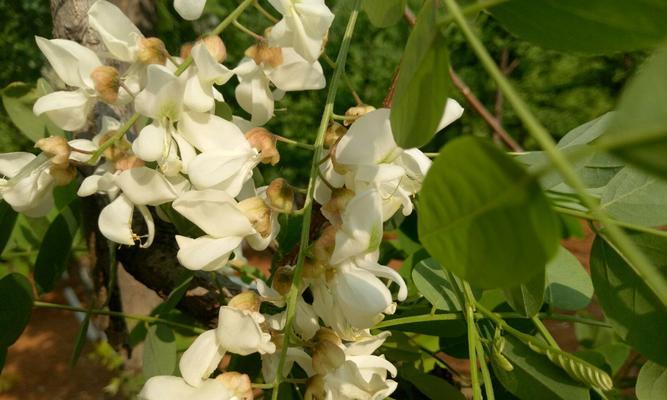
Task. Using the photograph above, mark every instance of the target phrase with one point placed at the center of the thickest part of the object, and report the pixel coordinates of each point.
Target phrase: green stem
(247, 31)
(294, 142)
(473, 342)
(486, 374)
(622, 224)
(344, 117)
(181, 68)
(265, 13)
(144, 318)
(471, 10)
(458, 315)
(648, 272)
(544, 332)
(295, 290)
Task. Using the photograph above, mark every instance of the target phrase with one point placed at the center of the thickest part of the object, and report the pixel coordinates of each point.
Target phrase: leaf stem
(295, 290)
(144, 318)
(622, 224)
(471, 10)
(294, 142)
(647, 271)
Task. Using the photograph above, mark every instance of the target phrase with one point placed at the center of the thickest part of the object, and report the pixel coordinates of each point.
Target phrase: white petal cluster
(184, 161)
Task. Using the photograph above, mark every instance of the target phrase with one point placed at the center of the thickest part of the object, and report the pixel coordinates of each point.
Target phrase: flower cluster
(188, 160)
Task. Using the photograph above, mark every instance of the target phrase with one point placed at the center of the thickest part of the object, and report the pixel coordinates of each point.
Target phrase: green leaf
(159, 351)
(638, 130)
(432, 282)
(15, 307)
(592, 26)
(433, 387)
(484, 217)
(175, 296)
(423, 83)
(18, 99)
(527, 298)
(55, 251)
(634, 197)
(80, 341)
(384, 13)
(569, 286)
(534, 376)
(7, 221)
(651, 382)
(629, 304)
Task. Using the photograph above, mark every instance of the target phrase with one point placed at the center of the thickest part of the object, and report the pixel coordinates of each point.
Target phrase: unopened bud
(282, 279)
(262, 53)
(118, 149)
(216, 47)
(312, 269)
(356, 112)
(315, 389)
(245, 301)
(265, 142)
(334, 132)
(128, 162)
(237, 384)
(258, 213)
(327, 335)
(63, 176)
(107, 83)
(334, 208)
(280, 196)
(152, 51)
(339, 168)
(324, 245)
(186, 49)
(57, 149)
(327, 356)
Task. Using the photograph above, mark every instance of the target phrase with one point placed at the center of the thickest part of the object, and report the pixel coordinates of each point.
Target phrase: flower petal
(452, 112)
(205, 253)
(295, 73)
(207, 208)
(150, 144)
(116, 30)
(223, 169)
(163, 95)
(208, 69)
(175, 388)
(145, 186)
(369, 141)
(68, 110)
(189, 9)
(254, 95)
(208, 132)
(12, 163)
(72, 62)
(361, 230)
(201, 358)
(115, 221)
(239, 332)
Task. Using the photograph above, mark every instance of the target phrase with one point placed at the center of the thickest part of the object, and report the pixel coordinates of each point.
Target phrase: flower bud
(327, 356)
(280, 196)
(356, 112)
(282, 279)
(258, 213)
(152, 51)
(324, 245)
(63, 176)
(339, 168)
(237, 384)
(107, 83)
(245, 301)
(312, 269)
(118, 149)
(265, 142)
(186, 49)
(128, 162)
(334, 208)
(315, 389)
(57, 149)
(327, 335)
(334, 132)
(216, 47)
(262, 53)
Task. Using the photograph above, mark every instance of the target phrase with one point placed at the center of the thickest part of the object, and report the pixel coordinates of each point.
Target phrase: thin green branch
(294, 142)
(544, 332)
(295, 290)
(144, 318)
(622, 224)
(471, 10)
(642, 266)
(264, 12)
(247, 31)
(181, 68)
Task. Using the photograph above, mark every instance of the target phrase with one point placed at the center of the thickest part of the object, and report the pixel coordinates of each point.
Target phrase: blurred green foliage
(564, 90)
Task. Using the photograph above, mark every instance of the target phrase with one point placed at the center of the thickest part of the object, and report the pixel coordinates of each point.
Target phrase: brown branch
(483, 112)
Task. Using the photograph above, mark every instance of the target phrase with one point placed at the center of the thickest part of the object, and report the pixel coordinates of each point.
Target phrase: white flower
(74, 64)
(238, 332)
(284, 68)
(304, 26)
(371, 158)
(189, 9)
(136, 187)
(175, 388)
(29, 189)
(225, 222)
(200, 94)
(118, 33)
